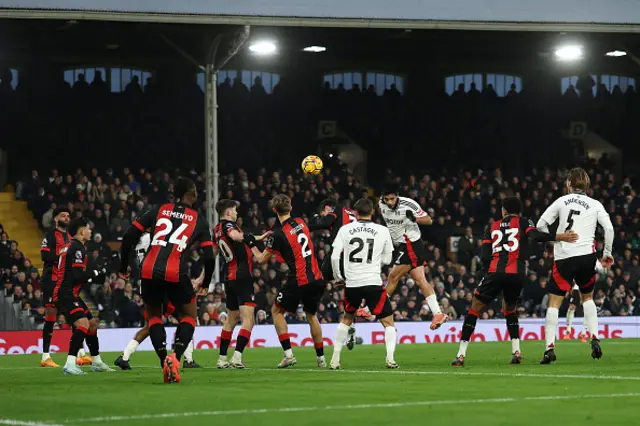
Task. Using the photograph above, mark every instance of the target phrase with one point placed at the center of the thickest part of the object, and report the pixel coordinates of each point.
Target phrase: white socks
(390, 337)
(288, 353)
(71, 361)
(96, 359)
(515, 345)
(45, 356)
(188, 353)
(434, 306)
(341, 336)
(81, 353)
(237, 356)
(462, 351)
(570, 315)
(551, 325)
(590, 318)
(131, 348)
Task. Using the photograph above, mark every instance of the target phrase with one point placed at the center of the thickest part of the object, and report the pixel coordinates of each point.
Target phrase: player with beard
(53, 242)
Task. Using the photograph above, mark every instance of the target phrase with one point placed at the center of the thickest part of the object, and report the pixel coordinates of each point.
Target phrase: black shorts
(581, 269)
(73, 308)
(240, 293)
(492, 284)
(375, 297)
(412, 253)
(574, 298)
(327, 268)
(47, 292)
(156, 293)
(291, 296)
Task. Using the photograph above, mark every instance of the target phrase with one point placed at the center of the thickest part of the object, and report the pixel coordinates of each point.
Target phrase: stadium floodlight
(315, 49)
(616, 53)
(569, 52)
(263, 47)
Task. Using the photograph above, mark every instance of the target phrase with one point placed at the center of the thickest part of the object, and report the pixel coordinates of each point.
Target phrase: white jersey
(581, 214)
(398, 223)
(142, 247)
(367, 246)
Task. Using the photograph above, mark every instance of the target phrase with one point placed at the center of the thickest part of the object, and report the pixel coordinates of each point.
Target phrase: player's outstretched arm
(419, 216)
(322, 222)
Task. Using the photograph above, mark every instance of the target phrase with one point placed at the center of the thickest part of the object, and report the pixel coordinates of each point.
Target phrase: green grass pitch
(576, 390)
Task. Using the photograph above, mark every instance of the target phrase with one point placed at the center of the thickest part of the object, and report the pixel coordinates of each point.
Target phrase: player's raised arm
(605, 221)
(131, 237)
(262, 257)
(338, 247)
(416, 214)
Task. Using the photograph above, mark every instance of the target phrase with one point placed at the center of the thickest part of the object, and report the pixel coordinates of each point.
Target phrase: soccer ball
(312, 165)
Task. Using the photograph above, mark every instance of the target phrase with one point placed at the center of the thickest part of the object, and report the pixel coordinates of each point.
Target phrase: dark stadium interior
(455, 150)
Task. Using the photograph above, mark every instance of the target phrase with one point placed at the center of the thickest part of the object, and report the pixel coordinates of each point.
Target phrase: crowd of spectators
(461, 203)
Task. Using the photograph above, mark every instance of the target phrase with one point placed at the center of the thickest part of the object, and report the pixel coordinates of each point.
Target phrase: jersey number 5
(570, 219)
(176, 237)
(512, 243)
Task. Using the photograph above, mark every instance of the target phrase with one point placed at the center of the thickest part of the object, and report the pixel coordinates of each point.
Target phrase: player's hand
(124, 275)
(607, 262)
(411, 216)
(568, 237)
(264, 236)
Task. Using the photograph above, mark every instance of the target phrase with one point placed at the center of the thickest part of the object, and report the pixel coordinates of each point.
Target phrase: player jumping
(402, 216)
(576, 262)
(366, 247)
(333, 217)
(504, 250)
(305, 283)
(174, 227)
(72, 275)
(228, 240)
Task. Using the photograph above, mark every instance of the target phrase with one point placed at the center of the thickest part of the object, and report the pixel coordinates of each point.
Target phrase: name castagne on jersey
(363, 229)
(578, 201)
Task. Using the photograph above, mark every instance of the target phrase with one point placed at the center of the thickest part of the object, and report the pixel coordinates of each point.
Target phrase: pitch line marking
(339, 407)
(25, 423)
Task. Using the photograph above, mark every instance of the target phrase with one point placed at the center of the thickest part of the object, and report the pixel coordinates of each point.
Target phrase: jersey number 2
(176, 237)
(512, 243)
(570, 219)
(304, 243)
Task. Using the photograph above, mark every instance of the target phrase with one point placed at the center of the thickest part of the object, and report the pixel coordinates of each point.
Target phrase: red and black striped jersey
(52, 243)
(73, 255)
(293, 242)
(342, 217)
(173, 229)
(236, 254)
(507, 241)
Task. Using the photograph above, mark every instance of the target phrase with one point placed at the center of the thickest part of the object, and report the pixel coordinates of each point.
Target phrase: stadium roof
(73, 41)
(557, 15)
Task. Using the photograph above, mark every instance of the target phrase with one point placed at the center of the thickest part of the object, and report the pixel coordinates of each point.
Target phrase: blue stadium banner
(540, 11)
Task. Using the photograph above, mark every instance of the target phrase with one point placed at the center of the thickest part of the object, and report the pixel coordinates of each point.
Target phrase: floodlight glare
(616, 53)
(263, 47)
(315, 49)
(569, 53)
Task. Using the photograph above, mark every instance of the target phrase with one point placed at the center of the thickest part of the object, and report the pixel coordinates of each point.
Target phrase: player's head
(364, 208)
(390, 196)
(227, 209)
(281, 205)
(80, 230)
(578, 180)
(185, 191)
(511, 206)
(327, 206)
(62, 217)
